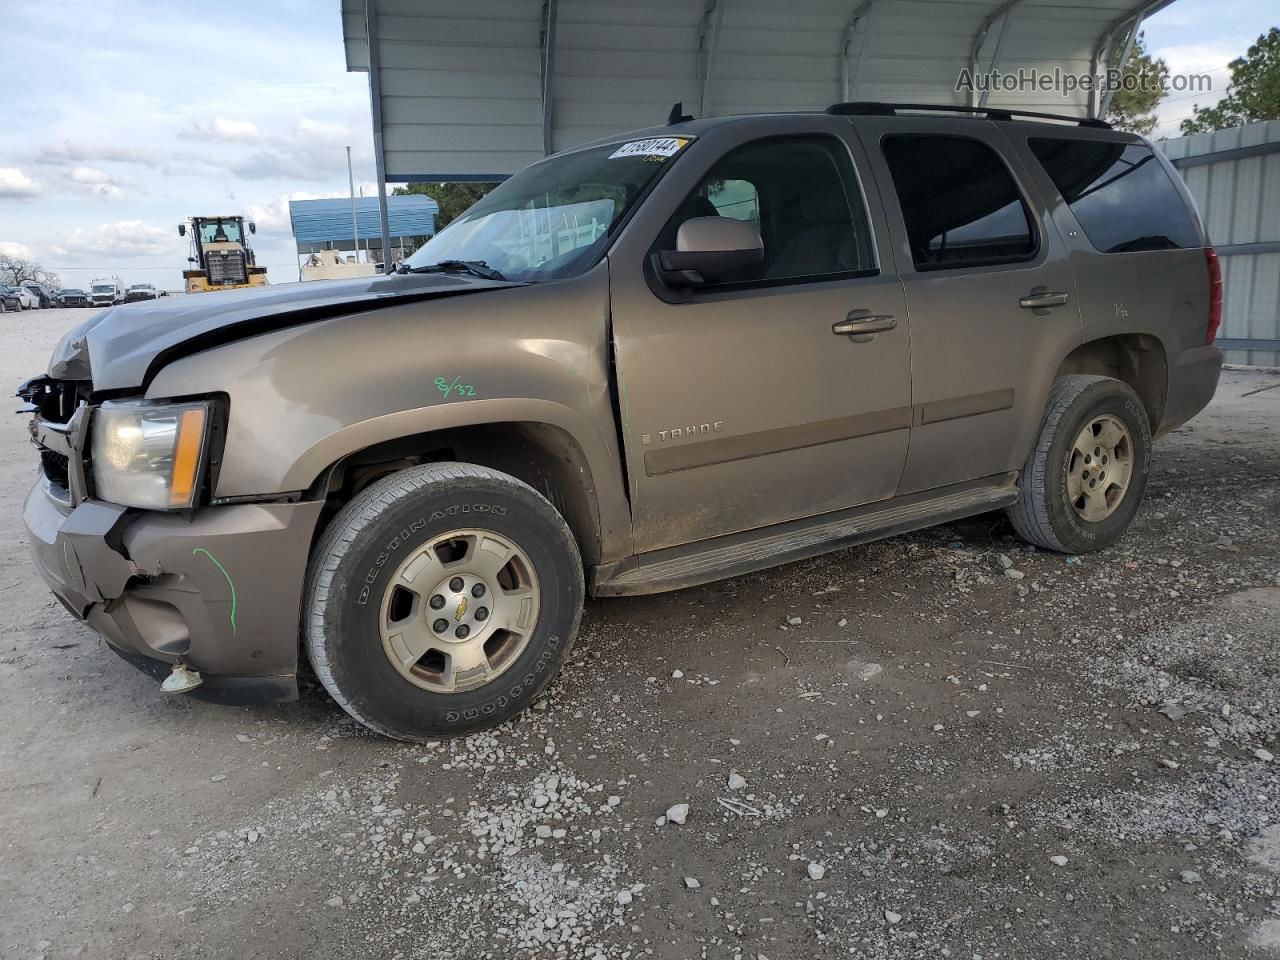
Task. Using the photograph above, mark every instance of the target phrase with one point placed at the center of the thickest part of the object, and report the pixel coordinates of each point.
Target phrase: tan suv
(649, 362)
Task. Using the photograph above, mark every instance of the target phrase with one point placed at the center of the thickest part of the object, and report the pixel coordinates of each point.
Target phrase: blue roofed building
(336, 244)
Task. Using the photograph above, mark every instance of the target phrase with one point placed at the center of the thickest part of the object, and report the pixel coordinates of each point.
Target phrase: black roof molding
(875, 108)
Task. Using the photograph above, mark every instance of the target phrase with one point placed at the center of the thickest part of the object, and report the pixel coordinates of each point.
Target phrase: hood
(123, 347)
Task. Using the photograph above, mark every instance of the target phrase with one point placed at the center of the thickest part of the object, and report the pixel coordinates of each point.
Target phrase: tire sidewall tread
(366, 541)
(1043, 515)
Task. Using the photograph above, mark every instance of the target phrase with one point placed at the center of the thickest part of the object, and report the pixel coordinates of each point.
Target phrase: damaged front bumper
(218, 589)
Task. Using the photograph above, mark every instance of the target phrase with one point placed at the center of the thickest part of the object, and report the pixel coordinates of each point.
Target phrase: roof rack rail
(874, 108)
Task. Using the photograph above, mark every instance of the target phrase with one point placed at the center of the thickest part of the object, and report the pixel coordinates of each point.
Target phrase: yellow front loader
(222, 258)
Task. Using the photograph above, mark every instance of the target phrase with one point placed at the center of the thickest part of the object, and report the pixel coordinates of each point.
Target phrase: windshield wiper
(475, 267)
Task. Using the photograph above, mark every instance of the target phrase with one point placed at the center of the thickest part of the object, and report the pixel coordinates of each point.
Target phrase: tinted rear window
(959, 202)
(1120, 193)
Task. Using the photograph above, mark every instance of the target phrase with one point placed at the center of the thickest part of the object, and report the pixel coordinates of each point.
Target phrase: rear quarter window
(1120, 193)
(959, 202)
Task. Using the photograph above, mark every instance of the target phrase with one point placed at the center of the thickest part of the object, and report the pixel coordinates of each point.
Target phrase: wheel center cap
(459, 608)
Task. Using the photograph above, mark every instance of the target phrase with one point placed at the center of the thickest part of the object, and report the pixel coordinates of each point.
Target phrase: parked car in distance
(831, 327)
(140, 291)
(9, 298)
(73, 297)
(28, 299)
(106, 291)
(42, 293)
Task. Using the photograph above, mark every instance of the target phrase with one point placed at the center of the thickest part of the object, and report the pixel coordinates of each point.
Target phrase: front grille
(227, 267)
(53, 405)
(56, 468)
(55, 401)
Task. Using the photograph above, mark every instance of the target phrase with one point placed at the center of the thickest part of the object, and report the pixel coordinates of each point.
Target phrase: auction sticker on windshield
(657, 147)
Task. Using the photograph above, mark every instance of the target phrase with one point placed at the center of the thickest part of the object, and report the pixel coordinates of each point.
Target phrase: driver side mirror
(182, 229)
(253, 227)
(710, 250)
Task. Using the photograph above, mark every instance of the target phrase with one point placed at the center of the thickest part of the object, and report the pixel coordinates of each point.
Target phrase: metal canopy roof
(321, 224)
(478, 90)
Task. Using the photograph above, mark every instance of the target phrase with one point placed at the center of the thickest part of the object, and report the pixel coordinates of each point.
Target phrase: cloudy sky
(127, 117)
(132, 116)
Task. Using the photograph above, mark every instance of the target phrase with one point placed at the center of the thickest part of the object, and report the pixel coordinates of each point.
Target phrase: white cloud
(309, 165)
(16, 184)
(69, 152)
(273, 217)
(96, 181)
(1209, 58)
(224, 130)
(124, 238)
(18, 251)
(322, 131)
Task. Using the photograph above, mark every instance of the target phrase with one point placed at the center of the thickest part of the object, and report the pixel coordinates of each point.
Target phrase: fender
(307, 396)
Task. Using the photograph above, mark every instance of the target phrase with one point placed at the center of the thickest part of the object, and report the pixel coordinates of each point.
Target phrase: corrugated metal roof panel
(462, 84)
(329, 221)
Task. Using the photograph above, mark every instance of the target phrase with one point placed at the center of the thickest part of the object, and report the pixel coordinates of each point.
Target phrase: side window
(960, 204)
(737, 199)
(1120, 194)
(802, 196)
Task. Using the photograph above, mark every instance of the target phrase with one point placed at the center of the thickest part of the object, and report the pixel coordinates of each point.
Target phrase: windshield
(220, 231)
(103, 288)
(553, 218)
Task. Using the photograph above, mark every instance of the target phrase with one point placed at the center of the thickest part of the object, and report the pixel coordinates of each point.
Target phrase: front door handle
(859, 324)
(1042, 298)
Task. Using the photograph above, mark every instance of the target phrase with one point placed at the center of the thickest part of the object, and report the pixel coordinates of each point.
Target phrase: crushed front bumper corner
(219, 590)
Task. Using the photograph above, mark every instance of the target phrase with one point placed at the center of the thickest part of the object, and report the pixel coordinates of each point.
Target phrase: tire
(354, 582)
(1046, 514)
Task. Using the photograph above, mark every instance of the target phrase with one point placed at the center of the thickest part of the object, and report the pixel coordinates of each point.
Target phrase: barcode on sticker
(657, 147)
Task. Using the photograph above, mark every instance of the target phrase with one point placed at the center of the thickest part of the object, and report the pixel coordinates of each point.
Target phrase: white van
(106, 291)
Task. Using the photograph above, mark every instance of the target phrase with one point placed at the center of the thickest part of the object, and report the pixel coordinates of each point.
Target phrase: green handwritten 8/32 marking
(457, 388)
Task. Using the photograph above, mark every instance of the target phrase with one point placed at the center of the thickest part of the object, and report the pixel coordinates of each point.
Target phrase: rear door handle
(1042, 299)
(858, 324)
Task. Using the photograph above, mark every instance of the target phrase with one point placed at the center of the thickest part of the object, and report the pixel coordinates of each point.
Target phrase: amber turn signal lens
(186, 456)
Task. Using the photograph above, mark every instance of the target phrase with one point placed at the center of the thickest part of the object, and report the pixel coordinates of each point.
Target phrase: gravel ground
(896, 751)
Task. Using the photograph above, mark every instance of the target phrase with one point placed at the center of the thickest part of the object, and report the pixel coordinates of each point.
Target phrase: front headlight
(149, 455)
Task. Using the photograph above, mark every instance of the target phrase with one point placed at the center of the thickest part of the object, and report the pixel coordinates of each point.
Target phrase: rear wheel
(1085, 479)
(442, 600)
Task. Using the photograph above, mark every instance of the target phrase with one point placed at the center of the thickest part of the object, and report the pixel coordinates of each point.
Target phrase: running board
(734, 554)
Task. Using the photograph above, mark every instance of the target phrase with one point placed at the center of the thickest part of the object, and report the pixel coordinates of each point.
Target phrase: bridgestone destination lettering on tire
(442, 599)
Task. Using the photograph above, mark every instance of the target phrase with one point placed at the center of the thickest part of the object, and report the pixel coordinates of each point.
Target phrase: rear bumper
(1193, 380)
(220, 591)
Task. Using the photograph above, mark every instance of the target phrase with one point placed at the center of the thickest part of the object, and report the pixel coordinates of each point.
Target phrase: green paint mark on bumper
(230, 583)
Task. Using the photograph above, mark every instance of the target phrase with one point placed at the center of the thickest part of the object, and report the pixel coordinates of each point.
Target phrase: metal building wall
(1235, 177)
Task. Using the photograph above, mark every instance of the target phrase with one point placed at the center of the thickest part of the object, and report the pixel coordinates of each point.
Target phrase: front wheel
(1085, 479)
(442, 600)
